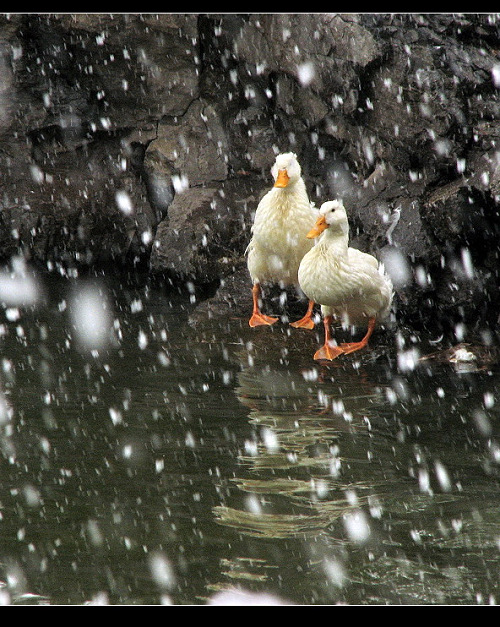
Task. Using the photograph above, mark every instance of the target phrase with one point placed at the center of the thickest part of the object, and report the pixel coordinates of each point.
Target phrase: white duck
(282, 220)
(348, 284)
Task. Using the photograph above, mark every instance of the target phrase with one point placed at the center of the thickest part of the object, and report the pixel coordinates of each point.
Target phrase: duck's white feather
(349, 284)
(282, 219)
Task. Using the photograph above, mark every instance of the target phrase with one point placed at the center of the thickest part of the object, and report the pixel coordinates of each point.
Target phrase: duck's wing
(362, 260)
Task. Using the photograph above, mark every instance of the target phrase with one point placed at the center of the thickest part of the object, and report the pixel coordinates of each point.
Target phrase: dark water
(178, 461)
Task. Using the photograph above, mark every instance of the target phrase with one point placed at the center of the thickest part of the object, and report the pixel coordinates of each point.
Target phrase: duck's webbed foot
(259, 319)
(328, 352)
(306, 322)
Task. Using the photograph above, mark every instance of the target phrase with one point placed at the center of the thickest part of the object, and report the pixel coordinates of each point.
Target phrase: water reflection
(293, 485)
(179, 461)
(364, 456)
(300, 417)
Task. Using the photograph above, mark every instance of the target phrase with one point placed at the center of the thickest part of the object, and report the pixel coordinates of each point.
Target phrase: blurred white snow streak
(397, 266)
(180, 183)
(18, 287)
(335, 572)
(244, 597)
(442, 476)
(91, 316)
(305, 73)
(357, 526)
(6, 411)
(161, 570)
(124, 202)
(495, 74)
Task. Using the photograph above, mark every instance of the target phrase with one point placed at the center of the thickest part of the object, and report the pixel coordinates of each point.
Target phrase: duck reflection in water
(295, 484)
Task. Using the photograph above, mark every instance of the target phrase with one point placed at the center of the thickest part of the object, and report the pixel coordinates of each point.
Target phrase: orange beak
(283, 178)
(318, 228)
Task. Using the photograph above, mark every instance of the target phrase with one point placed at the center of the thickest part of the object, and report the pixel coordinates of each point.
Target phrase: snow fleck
(442, 147)
(127, 451)
(482, 422)
(408, 360)
(424, 481)
(397, 267)
(375, 507)
(489, 400)
(495, 75)
(136, 305)
(94, 533)
(18, 287)
(357, 526)
(467, 263)
(310, 375)
(306, 73)
(416, 536)
(161, 570)
(233, 75)
(335, 572)
(320, 488)
(460, 330)
(32, 496)
(159, 465)
(180, 183)
(251, 448)
(270, 440)
(37, 174)
(242, 597)
(368, 152)
(90, 313)
(142, 340)
(422, 277)
(252, 504)
(115, 415)
(100, 598)
(164, 359)
(12, 314)
(442, 476)
(124, 202)
(189, 440)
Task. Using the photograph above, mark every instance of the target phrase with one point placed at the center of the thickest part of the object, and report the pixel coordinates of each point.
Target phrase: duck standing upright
(283, 218)
(350, 285)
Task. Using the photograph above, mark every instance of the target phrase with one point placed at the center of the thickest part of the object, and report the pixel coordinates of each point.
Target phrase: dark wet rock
(193, 148)
(233, 298)
(148, 139)
(206, 231)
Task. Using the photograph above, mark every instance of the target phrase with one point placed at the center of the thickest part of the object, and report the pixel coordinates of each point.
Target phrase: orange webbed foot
(304, 323)
(328, 352)
(259, 319)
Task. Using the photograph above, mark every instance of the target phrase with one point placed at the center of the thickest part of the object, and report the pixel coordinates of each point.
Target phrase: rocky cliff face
(143, 139)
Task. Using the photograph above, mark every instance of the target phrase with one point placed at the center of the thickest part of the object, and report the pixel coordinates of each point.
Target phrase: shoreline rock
(146, 140)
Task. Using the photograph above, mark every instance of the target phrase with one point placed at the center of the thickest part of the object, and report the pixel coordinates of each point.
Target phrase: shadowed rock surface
(147, 140)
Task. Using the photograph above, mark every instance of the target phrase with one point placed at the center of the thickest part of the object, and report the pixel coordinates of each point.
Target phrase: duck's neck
(297, 189)
(335, 241)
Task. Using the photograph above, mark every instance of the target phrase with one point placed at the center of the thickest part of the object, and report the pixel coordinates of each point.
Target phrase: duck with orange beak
(350, 285)
(282, 220)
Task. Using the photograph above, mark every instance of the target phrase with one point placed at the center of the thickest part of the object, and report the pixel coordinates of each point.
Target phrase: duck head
(286, 169)
(333, 216)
